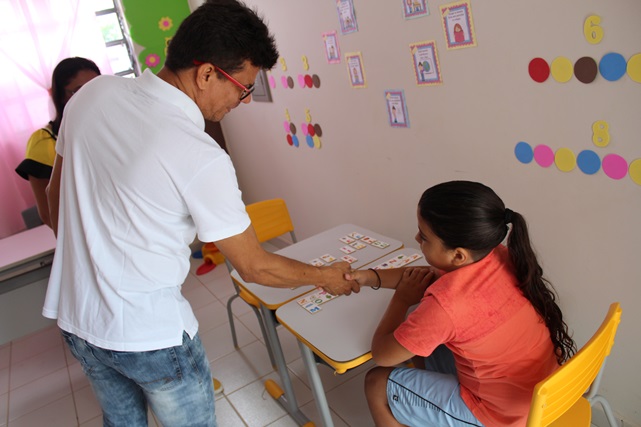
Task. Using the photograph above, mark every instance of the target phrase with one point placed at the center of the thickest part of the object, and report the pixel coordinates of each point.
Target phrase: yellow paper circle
(634, 68)
(565, 159)
(635, 171)
(317, 142)
(562, 69)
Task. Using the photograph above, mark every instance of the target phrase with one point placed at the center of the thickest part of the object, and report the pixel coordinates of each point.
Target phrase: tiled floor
(41, 384)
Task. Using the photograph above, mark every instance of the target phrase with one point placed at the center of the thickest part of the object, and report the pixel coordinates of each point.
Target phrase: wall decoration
(425, 63)
(332, 50)
(397, 109)
(355, 69)
(415, 8)
(346, 16)
(152, 28)
(458, 25)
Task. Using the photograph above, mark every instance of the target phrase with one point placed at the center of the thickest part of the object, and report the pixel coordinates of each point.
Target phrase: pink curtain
(34, 36)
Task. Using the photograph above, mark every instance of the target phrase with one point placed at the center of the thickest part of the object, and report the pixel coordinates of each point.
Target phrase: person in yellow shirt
(68, 77)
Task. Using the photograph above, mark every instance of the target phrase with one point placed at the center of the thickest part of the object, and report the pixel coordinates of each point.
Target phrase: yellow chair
(561, 399)
(270, 219)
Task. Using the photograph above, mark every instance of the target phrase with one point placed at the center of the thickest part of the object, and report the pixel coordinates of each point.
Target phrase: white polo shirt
(140, 178)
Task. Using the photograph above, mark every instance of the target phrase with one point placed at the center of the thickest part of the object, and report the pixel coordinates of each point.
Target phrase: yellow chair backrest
(270, 219)
(559, 392)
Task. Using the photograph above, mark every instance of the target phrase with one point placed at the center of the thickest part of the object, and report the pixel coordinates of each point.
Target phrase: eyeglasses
(246, 90)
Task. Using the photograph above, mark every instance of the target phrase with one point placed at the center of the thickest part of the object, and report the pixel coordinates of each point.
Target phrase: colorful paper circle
(585, 69)
(543, 155)
(615, 166)
(283, 81)
(562, 69)
(292, 128)
(564, 159)
(523, 152)
(316, 81)
(272, 82)
(290, 82)
(612, 66)
(286, 126)
(635, 171)
(295, 140)
(303, 128)
(290, 141)
(634, 68)
(588, 162)
(301, 80)
(539, 70)
(310, 141)
(318, 130)
(311, 130)
(317, 142)
(308, 80)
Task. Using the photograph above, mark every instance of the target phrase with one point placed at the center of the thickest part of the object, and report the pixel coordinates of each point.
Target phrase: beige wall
(586, 228)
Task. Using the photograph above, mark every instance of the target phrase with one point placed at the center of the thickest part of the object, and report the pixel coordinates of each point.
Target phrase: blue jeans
(176, 382)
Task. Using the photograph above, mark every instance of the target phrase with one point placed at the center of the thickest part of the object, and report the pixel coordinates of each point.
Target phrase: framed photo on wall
(262, 92)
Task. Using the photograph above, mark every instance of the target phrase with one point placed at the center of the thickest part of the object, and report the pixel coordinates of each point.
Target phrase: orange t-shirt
(501, 346)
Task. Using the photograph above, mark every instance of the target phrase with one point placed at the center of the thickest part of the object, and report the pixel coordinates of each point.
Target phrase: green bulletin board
(152, 24)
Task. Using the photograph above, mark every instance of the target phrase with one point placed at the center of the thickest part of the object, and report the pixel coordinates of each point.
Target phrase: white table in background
(270, 298)
(25, 264)
(341, 332)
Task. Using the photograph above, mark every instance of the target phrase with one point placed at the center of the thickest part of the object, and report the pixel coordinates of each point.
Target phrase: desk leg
(288, 400)
(317, 385)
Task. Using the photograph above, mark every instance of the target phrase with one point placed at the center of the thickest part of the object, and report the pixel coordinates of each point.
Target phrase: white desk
(270, 298)
(341, 332)
(25, 263)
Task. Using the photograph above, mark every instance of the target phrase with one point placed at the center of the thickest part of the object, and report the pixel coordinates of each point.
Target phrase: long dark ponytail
(470, 215)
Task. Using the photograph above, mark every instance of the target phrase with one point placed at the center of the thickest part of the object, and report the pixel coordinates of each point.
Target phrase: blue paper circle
(523, 152)
(295, 140)
(612, 66)
(589, 162)
(310, 141)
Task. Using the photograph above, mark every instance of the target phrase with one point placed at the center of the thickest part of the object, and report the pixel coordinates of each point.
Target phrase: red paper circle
(310, 130)
(539, 70)
(308, 80)
(290, 141)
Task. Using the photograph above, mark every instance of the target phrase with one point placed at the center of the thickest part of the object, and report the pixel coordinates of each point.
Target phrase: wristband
(378, 286)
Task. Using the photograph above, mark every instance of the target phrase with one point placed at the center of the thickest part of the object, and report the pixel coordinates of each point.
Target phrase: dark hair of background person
(62, 75)
(224, 33)
(470, 215)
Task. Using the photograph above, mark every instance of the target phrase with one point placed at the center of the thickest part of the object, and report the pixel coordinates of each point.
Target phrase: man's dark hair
(224, 33)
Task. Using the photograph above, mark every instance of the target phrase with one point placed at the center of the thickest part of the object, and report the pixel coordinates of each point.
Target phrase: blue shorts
(427, 398)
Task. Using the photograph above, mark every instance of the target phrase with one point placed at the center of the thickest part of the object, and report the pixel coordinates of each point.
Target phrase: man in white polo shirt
(140, 179)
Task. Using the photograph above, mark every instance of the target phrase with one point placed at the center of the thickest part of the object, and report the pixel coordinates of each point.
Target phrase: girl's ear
(461, 257)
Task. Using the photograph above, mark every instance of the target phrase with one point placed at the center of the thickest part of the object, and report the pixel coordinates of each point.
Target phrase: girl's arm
(386, 350)
(389, 278)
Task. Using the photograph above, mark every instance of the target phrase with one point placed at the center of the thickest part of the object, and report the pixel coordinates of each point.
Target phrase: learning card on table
(356, 235)
(349, 258)
(312, 302)
(328, 258)
(348, 249)
(316, 262)
(346, 239)
(358, 245)
(380, 244)
(368, 239)
(398, 261)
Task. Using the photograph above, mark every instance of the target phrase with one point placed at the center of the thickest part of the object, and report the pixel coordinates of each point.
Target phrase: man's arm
(53, 193)
(256, 265)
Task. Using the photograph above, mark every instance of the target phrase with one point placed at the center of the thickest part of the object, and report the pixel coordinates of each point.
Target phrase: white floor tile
(44, 363)
(5, 355)
(4, 409)
(218, 342)
(35, 343)
(4, 381)
(60, 413)
(38, 393)
(226, 415)
(242, 367)
(312, 413)
(87, 406)
(255, 405)
(211, 316)
(199, 296)
(349, 402)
